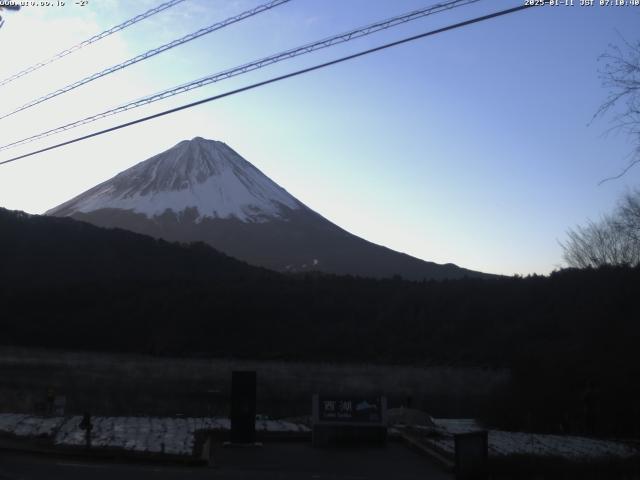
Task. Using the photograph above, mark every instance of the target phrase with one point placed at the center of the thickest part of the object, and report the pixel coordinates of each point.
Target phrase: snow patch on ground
(29, 426)
(174, 436)
(503, 443)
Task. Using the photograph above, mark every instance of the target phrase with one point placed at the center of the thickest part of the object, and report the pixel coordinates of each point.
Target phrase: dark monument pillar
(243, 407)
(472, 454)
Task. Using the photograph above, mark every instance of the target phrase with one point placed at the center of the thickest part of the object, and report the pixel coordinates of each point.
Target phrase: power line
(274, 80)
(263, 62)
(91, 40)
(150, 53)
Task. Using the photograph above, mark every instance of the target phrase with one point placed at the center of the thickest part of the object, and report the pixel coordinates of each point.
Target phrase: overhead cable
(272, 80)
(248, 67)
(150, 53)
(91, 40)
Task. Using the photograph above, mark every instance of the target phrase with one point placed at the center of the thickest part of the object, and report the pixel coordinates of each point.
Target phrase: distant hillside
(82, 275)
(46, 251)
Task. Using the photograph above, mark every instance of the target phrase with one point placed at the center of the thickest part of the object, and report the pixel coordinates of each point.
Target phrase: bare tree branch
(620, 75)
(614, 240)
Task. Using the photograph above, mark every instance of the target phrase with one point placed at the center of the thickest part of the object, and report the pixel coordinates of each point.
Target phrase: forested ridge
(67, 284)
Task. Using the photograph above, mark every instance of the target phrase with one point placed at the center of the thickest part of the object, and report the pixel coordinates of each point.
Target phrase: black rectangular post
(471, 454)
(243, 407)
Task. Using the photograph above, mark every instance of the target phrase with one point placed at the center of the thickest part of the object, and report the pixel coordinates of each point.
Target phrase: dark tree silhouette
(66, 284)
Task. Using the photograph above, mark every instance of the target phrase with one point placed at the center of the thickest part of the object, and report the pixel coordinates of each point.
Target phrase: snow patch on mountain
(202, 174)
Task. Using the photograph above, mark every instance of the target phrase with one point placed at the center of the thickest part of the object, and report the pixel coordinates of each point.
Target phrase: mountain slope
(205, 175)
(202, 190)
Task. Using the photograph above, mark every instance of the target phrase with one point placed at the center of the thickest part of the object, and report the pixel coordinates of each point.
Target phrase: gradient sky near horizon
(473, 146)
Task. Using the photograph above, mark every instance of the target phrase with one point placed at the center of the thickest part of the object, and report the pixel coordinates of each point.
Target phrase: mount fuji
(202, 190)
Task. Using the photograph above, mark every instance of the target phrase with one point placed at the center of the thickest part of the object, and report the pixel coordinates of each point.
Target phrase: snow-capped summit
(200, 174)
(202, 190)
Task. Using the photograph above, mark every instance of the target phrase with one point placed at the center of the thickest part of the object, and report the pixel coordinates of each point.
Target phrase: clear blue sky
(472, 147)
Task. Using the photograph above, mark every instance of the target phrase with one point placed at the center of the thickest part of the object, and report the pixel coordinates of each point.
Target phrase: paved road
(281, 461)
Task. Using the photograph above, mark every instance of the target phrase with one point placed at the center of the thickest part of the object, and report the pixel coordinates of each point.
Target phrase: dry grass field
(115, 384)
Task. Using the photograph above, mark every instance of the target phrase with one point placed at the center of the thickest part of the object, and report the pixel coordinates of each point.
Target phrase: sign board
(342, 420)
(350, 410)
